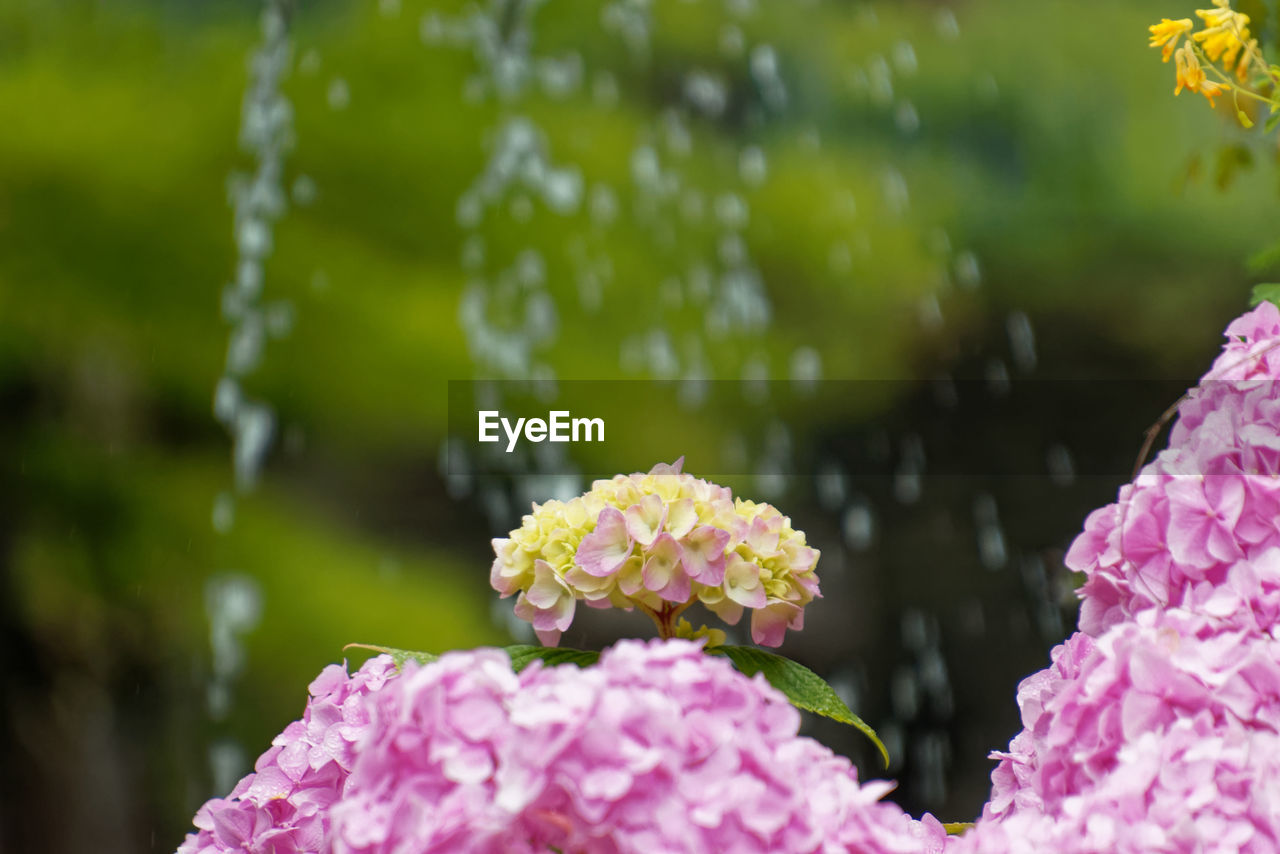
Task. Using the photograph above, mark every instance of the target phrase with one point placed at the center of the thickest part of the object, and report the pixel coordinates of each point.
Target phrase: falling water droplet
(806, 369)
(253, 238)
(991, 545)
(947, 25)
(224, 512)
(929, 311)
(252, 429)
(732, 42)
(755, 379)
(679, 140)
(706, 92)
(997, 377)
(339, 94)
(906, 118)
(226, 399)
(904, 58)
(967, 273)
(279, 318)
(604, 89)
(604, 205)
(764, 69)
(896, 196)
(560, 78)
(858, 526)
(473, 253)
(304, 190)
(880, 81)
(1022, 341)
(310, 62)
(530, 269)
(907, 480)
(831, 485)
(244, 348)
(468, 211)
(904, 694)
(916, 629)
(1062, 469)
(752, 166)
(945, 393)
(732, 211)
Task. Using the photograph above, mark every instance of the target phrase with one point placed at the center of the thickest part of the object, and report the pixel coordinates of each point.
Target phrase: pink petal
(704, 555)
(664, 468)
(769, 625)
(604, 549)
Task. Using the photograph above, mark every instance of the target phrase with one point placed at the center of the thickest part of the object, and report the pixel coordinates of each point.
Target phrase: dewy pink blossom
(1143, 677)
(1155, 728)
(1196, 787)
(659, 747)
(1202, 517)
(283, 806)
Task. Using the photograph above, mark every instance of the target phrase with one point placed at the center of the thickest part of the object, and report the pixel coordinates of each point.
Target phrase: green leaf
(399, 656)
(523, 655)
(1244, 119)
(1269, 292)
(1272, 121)
(804, 688)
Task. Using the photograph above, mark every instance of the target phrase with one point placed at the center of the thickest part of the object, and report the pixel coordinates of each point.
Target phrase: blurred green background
(1048, 169)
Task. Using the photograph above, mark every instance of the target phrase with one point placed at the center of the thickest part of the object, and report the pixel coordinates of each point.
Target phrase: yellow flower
(1190, 74)
(1242, 68)
(1211, 90)
(1167, 33)
(1224, 34)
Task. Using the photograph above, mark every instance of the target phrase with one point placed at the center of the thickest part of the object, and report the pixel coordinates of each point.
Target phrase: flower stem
(1227, 81)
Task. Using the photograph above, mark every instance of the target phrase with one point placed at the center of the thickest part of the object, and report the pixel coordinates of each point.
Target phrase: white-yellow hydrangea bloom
(660, 542)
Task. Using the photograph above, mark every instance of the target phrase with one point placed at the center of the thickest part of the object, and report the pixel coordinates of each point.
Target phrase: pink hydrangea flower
(659, 747)
(1206, 504)
(659, 542)
(283, 805)
(1159, 733)
(1202, 784)
(1145, 677)
(1251, 352)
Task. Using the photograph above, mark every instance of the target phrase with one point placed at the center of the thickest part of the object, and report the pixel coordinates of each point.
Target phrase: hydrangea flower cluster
(659, 747)
(659, 542)
(1144, 678)
(1198, 786)
(284, 804)
(1194, 529)
(1156, 727)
